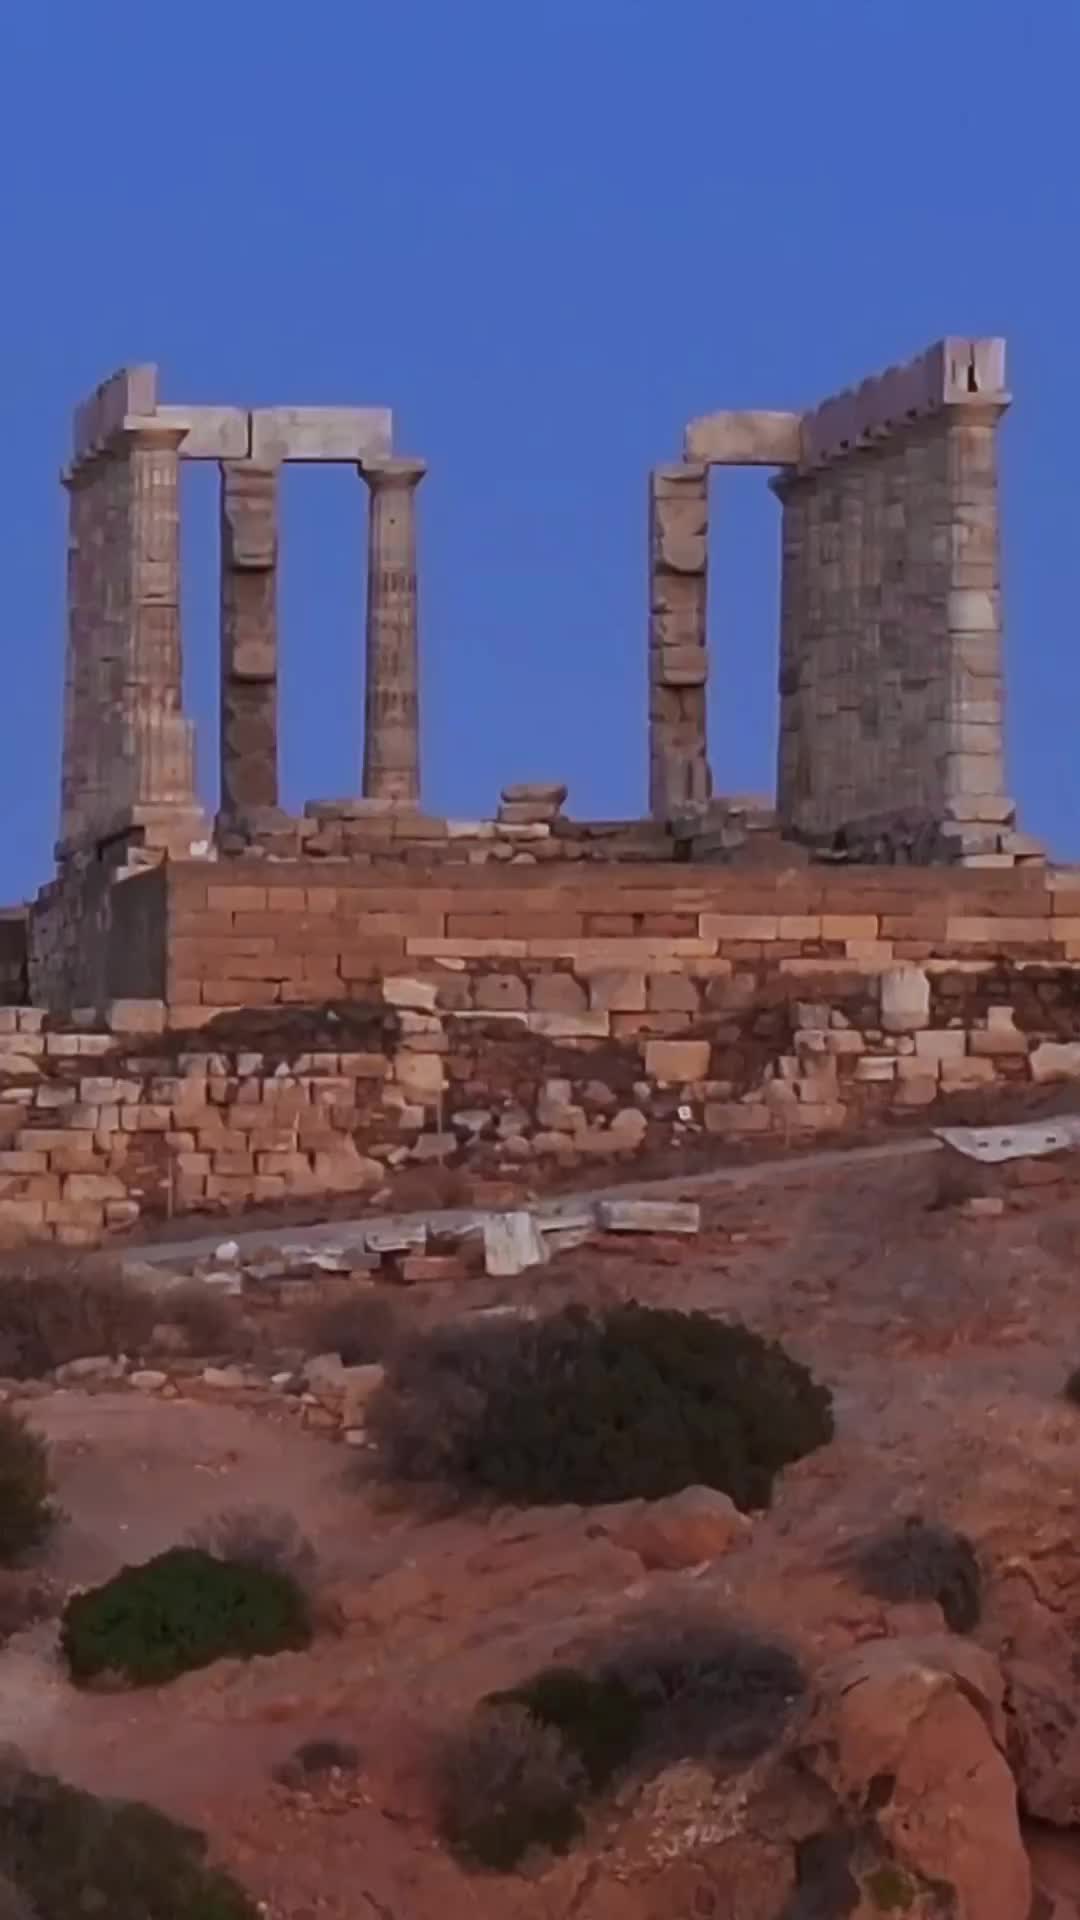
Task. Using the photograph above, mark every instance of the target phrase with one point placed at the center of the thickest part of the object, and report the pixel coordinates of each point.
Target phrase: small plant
(24, 1598)
(509, 1784)
(706, 1686)
(67, 1853)
(181, 1610)
(316, 1757)
(207, 1319)
(917, 1561)
(587, 1406)
(599, 1717)
(56, 1307)
(360, 1330)
(269, 1538)
(27, 1514)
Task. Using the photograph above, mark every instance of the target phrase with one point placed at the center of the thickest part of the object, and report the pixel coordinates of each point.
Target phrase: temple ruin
(890, 677)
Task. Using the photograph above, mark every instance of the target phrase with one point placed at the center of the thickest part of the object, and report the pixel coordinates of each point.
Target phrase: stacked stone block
(541, 1022)
(679, 778)
(249, 652)
(890, 652)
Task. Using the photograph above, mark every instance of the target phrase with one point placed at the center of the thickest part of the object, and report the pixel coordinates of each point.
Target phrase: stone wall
(891, 690)
(320, 1033)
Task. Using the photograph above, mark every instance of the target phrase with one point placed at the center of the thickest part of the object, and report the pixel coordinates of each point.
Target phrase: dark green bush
(68, 1854)
(599, 1716)
(917, 1561)
(705, 1686)
(26, 1512)
(181, 1610)
(631, 1402)
(57, 1306)
(521, 1772)
(508, 1784)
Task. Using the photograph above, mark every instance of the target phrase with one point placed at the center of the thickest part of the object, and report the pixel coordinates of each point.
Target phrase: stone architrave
(392, 693)
(679, 777)
(249, 648)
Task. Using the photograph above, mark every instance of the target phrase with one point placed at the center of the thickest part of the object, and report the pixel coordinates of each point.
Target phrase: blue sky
(546, 232)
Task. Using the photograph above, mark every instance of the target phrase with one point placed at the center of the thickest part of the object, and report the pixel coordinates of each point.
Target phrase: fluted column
(249, 651)
(392, 690)
(157, 742)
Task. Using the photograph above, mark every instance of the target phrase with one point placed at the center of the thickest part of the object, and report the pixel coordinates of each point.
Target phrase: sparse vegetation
(65, 1853)
(181, 1610)
(207, 1318)
(269, 1538)
(630, 1402)
(599, 1717)
(24, 1598)
(313, 1758)
(915, 1560)
(361, 1329)
(672, 1689)
(56, 1307)
(27, 1514)
(508, 1784)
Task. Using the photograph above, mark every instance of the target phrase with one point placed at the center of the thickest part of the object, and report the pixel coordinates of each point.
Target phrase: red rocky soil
(946, 1339)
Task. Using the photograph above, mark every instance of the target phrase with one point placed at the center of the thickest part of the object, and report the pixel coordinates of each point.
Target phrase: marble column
(156, 761)
(973, 772)
(249, 649)
(392, 691)
(679, 776)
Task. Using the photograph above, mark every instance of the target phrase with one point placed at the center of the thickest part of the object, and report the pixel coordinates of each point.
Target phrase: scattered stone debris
(512, 1243)
(1028, 1140)
(649, 1216)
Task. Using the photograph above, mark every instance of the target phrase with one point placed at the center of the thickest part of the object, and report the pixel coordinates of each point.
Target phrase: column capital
(389, 471)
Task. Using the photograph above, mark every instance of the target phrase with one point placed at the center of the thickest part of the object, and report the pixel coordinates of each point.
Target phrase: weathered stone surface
(683, 1530)
(905, 1000)
(349, 434)
(391, 686)
(649, 1216)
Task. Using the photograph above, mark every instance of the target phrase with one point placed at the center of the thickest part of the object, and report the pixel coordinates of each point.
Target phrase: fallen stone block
(512, 1243)
(649, 1216)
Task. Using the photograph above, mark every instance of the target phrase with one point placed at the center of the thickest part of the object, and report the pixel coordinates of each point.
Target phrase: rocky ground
(946, 1333)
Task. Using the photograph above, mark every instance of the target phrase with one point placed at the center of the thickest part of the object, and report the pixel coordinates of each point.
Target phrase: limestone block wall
(891, 669)
(320, 1038)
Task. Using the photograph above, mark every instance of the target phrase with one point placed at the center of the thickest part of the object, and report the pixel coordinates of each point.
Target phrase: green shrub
(706, 1686)
(181, 1610)
(67, 1854)
(56, 1307)
(522, 1771)
(599, 1717)
(917, 1561)
(26, 1511)
(627, 1403)
(507, 1784)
